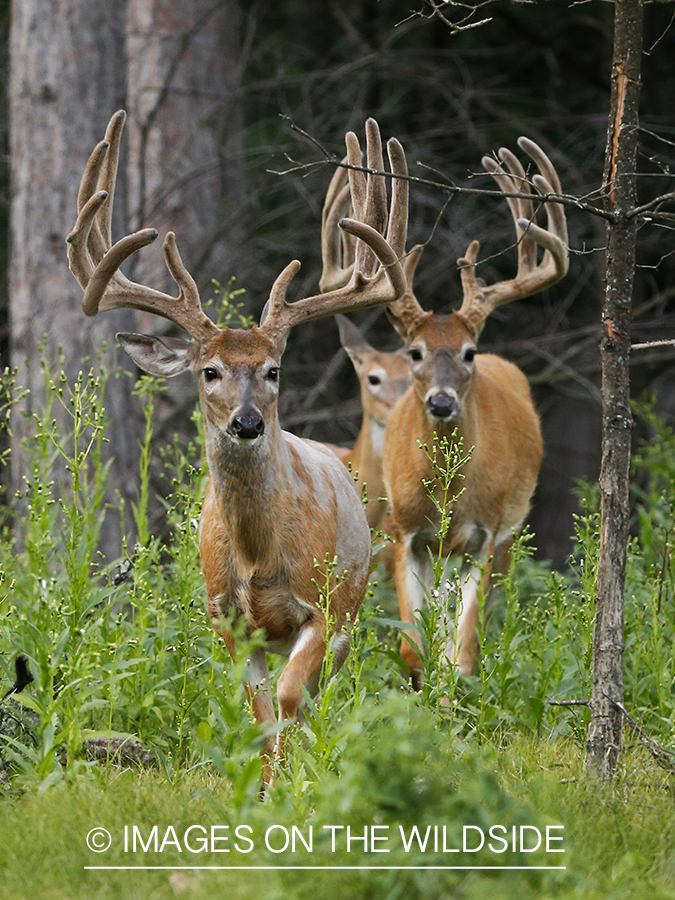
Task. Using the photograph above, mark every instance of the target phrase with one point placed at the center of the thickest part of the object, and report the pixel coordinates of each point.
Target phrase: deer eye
(374, 379)
(415, 354)
(469, 354)
(273, 374)
(210, 374)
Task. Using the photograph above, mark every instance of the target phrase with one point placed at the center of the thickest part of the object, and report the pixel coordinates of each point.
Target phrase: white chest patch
(377, 436)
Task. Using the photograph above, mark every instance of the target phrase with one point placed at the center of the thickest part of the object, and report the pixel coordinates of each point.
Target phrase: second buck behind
(383, 376)
(479, 398)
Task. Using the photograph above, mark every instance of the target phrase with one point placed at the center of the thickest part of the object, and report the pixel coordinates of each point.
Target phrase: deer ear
(352, 338)
(166, 357)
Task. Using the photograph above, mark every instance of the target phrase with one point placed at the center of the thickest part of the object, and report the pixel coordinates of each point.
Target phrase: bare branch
(442, 9)
(648, 345)
(569, 702)
(452, 189)
(664, 757)
(646, 207)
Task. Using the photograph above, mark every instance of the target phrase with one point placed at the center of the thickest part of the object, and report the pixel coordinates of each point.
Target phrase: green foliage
(231, 311)
(120, 648)
(123, 649)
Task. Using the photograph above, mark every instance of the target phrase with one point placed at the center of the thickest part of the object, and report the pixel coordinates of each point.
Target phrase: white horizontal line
(336, 868)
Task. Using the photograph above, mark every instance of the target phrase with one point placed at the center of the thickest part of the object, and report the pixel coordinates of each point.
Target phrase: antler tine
(337, 246)
(100, 175)
(375, 212)
(547, 183)
(366, 286)
(96, 264)
(80, 261)
(479, 299)
(108, 178)
(407, 308)
(397, 231)
(521, 208)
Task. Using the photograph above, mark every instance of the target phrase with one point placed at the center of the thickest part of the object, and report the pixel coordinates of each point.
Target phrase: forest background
(231, 107)
(214, 91)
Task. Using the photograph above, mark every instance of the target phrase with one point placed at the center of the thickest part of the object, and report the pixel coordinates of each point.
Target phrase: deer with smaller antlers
(276, 506)
(384, 377)
(480, 399)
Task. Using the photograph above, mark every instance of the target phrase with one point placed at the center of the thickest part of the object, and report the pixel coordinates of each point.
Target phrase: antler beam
(479, 299)
(376, 276)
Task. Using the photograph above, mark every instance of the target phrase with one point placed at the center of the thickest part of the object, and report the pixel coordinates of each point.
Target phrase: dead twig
(662, 756)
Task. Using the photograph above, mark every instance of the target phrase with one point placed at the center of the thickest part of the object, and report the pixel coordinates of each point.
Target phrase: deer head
(237, 371)
(442, 348)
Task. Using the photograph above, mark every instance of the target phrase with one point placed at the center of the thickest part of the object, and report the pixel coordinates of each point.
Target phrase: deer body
(496, 418)
(482, 400)
(278, 509)
(258, 563)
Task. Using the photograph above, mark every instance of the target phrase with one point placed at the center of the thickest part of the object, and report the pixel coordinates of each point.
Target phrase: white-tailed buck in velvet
(384, 377)
(486, 401)
(276, 505)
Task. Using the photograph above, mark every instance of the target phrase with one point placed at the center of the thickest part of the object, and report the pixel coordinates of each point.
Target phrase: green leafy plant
(123, 649)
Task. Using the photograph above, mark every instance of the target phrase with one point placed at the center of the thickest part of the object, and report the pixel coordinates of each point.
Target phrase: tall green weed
(123, 648)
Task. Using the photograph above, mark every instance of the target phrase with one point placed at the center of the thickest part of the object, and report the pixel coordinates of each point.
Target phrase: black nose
(442, 405)
(248, 426)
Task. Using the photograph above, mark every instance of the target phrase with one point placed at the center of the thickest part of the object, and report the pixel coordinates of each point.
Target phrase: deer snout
(246, 426)
(442, 406)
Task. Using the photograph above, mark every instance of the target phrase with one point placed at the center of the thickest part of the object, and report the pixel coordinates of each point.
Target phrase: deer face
(237, 373)
(384, 377)
(441, 351)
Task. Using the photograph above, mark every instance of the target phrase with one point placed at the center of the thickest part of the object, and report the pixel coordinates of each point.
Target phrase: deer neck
(369, 448)
(251, 487)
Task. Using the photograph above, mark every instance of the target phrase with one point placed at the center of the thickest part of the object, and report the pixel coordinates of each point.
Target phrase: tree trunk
(185, 159)
(174, 65)
(185, 133)
(604, 736)
(66, 77)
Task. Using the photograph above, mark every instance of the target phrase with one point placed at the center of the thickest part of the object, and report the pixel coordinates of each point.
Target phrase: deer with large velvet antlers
(276, 506)
(383, 376)
(480, 399)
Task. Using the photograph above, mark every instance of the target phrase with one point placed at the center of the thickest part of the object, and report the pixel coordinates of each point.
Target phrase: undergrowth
(123, 649)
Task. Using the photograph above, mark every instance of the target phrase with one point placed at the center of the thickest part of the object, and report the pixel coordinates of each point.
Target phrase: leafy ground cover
(386, 793)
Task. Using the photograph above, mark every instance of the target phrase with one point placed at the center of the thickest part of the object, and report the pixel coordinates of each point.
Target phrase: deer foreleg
(409, 573)
(303, 670)
(463, 651)
(259, 692)
(259, 689)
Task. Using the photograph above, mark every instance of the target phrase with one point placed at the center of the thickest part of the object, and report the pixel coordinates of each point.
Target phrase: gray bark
(66, 76)
(185, 160)
(185, 134)
(173, 65)
(604, 736)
